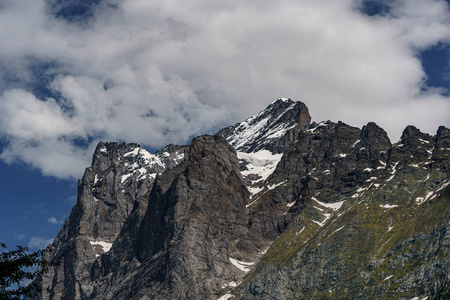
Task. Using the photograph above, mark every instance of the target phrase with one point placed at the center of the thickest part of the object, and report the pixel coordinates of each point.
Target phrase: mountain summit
(275, 207)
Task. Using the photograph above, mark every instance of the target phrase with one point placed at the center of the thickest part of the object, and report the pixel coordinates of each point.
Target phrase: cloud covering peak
(156, 72)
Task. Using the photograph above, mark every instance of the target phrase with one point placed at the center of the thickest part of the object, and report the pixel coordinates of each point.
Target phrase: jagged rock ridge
(275, 207)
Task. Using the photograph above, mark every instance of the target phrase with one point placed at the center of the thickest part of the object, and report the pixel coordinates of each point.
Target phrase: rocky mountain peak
(411, 134)
(273, 129)
(375, 138)
(443, 137)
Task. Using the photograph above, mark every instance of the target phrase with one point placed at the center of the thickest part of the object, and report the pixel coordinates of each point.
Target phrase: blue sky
(75, 72)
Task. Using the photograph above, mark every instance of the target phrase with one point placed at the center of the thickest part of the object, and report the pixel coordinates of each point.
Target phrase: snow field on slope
(105, 246)
(147, 160)
(246, 132)
(262, 163)
(334, 206)
(253, 130)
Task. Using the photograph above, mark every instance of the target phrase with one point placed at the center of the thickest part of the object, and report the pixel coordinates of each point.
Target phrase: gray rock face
(275, 207)
(195, 225)
(118, 181)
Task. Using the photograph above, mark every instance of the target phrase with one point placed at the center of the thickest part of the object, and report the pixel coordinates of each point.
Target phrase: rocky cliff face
(195, 225)
(117, 183)
(275, 207)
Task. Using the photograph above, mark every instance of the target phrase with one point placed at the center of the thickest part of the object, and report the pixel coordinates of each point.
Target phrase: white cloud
(54, 220)
(157, 72)
(37, 242)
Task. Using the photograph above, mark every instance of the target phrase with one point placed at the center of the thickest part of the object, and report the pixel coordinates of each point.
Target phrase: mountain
(275, 207)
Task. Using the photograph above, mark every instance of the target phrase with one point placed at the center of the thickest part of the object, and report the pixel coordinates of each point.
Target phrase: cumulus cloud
(37, 242)
(157, 72)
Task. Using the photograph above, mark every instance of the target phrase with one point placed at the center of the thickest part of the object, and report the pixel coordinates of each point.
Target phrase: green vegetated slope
(389, 241)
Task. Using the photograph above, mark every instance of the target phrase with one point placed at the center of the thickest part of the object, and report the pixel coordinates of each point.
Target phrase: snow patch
(356, 143)
(105, 245)
(443, 186)
(327, 216)
(241, 265)
(393, 171)
(301, 230)
(421, 200)
(271, 187)
(278, 131)
(337, 230)
(390, 276)
(226, 297)
(125, 177)
(334, 206)
(383, 165)
(246, 132)
(318, 208)
(262, 163)
(390, 178)
(133, 152)
(253, 191)
(321, 124)
(264, 251)
(251, 203)
(145, 161)
(291, 204)
(388, 206)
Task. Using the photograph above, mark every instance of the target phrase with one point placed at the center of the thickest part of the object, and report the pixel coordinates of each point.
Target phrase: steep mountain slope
(367, 220)
(261, 140)
(270, 208)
